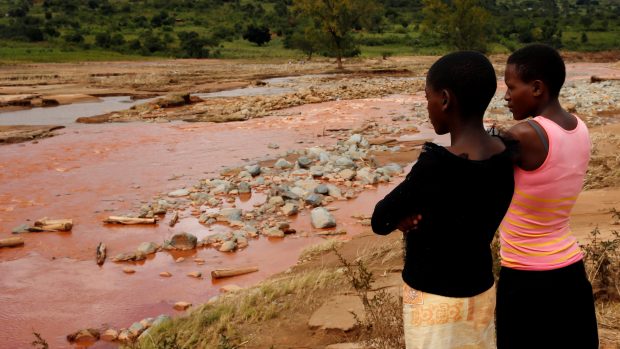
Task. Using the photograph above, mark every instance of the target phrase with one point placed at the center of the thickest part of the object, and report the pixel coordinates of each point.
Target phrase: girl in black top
(449, 207)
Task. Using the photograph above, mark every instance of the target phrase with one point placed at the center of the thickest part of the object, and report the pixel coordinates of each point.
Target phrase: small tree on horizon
(463, 23)
(336, 20)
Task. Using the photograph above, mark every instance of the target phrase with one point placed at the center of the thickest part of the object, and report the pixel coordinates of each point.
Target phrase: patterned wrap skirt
(437, 322)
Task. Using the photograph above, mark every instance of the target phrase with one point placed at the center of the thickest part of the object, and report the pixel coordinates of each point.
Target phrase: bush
(103, 39)
(258, 35)
(602, 258)
(74, 38)
(193, 45)
(382, 326)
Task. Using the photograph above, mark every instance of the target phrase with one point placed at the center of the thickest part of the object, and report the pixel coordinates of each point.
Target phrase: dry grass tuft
(382, 324)
(217, 325)
(318, 249)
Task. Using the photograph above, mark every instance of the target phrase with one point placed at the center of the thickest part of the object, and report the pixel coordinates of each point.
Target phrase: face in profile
(520, 95)
(436, 109)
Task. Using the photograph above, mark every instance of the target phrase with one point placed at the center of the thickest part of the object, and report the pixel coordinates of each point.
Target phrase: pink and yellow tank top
(535, 233)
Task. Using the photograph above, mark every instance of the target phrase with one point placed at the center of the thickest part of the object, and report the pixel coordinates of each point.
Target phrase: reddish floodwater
(53, 286)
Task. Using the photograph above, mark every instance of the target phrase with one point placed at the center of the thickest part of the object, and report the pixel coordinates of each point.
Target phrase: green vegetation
(67, 30)
(333, 21)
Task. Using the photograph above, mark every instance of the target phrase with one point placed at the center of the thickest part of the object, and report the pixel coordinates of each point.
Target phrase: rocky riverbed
(299, 167)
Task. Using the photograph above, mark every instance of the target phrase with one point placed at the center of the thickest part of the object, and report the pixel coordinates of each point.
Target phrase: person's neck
(464, 131)
(552, 109)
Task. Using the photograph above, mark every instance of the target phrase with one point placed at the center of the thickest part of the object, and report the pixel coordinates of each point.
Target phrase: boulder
(231, 214)
(347, 174)
(290, 209)
(228, 246)
(304, 162)
(87, 335)
(109, 335)
(244, 188)
(273, 232)
(322, 218)
(182, 305)
(314, 199)
(136, 329)
(344, 162)
(276, 201)
(282, 164)
(390, 169)
(333, 191)
(178, 193)
(321, 189)
(254, 170)
(183, 241)
(366, 176)
(148, 247)
(129, 256)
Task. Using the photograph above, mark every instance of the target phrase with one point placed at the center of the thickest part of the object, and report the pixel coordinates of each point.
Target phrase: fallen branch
(331, 232)
(101, 253)
(11, 242)
(595, 78)
(224, 273)
(45, 224)
(129, 220)
(174, 219)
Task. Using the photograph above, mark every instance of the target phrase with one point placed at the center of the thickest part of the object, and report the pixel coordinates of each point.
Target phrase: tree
(336, 19)
(463, 23)
(305, 38)
(193, 44)
(74, 37)
(258, 35)
(103, 39)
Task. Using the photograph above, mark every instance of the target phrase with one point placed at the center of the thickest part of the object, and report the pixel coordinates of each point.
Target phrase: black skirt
(545, 309)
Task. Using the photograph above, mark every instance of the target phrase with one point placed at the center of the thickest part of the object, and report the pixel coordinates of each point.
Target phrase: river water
(53, 286)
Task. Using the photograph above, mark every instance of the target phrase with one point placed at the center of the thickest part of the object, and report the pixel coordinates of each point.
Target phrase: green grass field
(19, 52)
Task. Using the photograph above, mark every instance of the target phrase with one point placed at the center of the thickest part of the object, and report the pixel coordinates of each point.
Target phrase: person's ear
(537, 88)
(445, 99)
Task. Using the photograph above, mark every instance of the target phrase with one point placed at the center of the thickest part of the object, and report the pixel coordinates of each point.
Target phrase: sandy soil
(92, 171)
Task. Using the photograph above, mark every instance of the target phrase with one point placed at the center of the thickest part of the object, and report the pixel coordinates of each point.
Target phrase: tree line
(334, 28)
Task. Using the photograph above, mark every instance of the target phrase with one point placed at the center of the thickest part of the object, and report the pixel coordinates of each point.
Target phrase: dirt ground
(92, 170)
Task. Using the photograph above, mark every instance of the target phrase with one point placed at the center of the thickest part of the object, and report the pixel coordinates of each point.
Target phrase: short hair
(469, 75)
(540, 62)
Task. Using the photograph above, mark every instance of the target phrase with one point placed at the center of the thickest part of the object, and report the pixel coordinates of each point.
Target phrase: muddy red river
(53, 286)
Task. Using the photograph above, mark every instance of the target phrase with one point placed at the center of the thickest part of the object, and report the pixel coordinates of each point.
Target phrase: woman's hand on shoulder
(409, 223)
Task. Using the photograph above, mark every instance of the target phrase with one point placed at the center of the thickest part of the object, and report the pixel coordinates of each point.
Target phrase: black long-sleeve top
(462, 203)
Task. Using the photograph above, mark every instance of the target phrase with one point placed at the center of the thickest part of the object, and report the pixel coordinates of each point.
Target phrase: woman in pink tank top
(544, 299)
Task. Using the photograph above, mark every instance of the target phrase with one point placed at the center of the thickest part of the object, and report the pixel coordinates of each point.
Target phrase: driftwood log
(174, 219)
(45, 224)
(224, 273)
(11, 242)
(129, 220)
(595, 78)
(101, 253)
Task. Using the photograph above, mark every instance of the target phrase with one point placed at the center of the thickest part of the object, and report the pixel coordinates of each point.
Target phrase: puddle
(67, 114)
